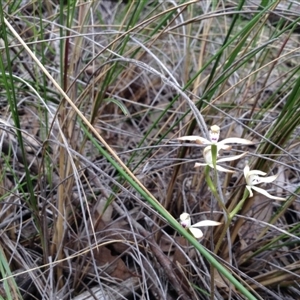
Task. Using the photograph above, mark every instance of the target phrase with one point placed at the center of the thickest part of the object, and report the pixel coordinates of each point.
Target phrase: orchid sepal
(265, 193)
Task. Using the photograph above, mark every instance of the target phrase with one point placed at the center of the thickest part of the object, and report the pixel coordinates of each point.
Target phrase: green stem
(239, 205)
(214, 153)
(213, 189)
(230, 216)
(217, 247)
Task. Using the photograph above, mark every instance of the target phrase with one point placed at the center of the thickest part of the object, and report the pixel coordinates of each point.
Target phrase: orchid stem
(222, 235)
(239, 205)
(230, 216)
(213, 189)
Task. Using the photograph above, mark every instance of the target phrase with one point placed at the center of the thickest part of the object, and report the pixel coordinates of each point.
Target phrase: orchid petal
(200, 165)
(184, 216)
(236, 141)
(221, 169)
(206, 223)
(197, 233)
(185, 220)
(268, 179)
(230, 158)
(256, 172)
(265, 193)
(195, 138)
(208, 159)
(207, 154)
(250, 190)
(246, 171)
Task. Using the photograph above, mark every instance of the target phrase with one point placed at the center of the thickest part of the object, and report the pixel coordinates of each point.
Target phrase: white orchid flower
(253, 178)
(214, 135)
(185, 221)
(207, 154)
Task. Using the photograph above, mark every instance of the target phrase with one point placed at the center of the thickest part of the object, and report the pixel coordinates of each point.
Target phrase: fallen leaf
(112, 265)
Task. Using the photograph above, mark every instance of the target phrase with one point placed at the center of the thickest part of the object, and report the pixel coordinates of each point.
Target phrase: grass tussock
(106, 106)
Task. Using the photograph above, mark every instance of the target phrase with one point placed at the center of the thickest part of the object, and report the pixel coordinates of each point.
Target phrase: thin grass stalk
(112, 72)
(11, 289)
(275, 242)
(12, 101)
(227, 37)
(282, 210)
